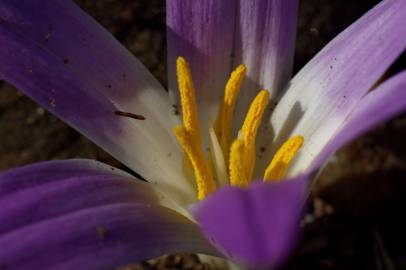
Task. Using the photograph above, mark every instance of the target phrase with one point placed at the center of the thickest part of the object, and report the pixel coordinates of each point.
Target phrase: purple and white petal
(81, 215)
(264, 42)
(330, 86)
(203, 33)
(65, 61)
(383, 103)
(257, 226)
(217, 36)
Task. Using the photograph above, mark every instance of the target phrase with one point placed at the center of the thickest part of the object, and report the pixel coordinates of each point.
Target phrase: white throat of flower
(229, 162)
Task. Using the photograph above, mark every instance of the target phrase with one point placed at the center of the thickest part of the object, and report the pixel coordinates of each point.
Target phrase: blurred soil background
(355, 218)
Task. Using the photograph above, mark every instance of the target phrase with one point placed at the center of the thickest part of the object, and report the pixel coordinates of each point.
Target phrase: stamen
(276, 170)
(188, 135)
(242, 152)
(188, 100)
(238, 173)
(204, 180)
(254, 116)
(224, 118)
(250, 128)
(240, 157)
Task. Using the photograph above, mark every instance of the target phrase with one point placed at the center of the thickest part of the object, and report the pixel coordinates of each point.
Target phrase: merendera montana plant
(81, 214)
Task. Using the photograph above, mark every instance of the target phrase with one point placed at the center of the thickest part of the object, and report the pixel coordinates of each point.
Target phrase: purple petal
(327, 89)
(257, 226)
(100, 238)
(43, 172)
(84, 217)
(35, 192)
(383, 103)
(65, 61)
(76, 40)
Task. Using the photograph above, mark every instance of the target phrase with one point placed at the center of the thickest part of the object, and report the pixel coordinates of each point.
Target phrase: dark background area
(356, 212)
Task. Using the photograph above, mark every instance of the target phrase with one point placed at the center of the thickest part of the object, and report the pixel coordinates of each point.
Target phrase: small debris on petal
(130, 115)
(101, 231)
(175, 109)
(47, 36)
(52, 102)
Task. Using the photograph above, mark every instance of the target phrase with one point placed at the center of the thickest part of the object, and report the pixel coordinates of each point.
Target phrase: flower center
(238, 156)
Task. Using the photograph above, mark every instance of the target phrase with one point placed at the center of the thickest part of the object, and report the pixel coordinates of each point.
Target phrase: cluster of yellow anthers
(240, 156)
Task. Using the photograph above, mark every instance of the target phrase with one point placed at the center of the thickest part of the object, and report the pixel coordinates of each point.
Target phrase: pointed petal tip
(257, 226)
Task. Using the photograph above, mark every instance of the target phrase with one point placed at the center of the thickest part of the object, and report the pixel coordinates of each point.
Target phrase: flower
(81, 214)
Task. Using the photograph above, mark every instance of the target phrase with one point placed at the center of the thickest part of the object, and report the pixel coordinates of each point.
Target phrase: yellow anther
(204, 180)
(238, 173)
(241, 154)
(188, 100)
(250, 128)
(276, 170)
(224, 118)
(254, 116)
